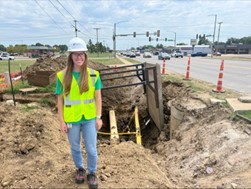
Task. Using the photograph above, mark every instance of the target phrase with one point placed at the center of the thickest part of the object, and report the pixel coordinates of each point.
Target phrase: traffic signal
(147, 34)
(204, 36)
(158, 33)
(157, 39)
(134, 34)
(197, 36)
(150, 39)
(165, 39)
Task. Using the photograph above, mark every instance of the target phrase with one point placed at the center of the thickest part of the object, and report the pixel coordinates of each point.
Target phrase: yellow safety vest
(77, 105)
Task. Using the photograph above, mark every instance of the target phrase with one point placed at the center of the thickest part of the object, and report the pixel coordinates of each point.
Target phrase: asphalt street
(236, 73)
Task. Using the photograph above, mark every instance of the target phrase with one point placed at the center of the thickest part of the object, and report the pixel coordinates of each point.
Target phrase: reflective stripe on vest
(69, 102)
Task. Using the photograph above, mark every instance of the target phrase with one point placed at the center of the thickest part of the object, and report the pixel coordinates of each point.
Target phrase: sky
(51, 22)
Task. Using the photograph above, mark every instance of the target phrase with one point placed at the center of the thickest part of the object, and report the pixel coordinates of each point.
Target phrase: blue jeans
(89, 134)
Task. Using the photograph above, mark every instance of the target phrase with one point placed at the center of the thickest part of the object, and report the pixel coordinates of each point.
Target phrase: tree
(39, 44)
(62, 48)
(2, 48)
(159, 46)
(91, 46)
(204, 41)
(10, 49)
(244, 40)
(181, 44)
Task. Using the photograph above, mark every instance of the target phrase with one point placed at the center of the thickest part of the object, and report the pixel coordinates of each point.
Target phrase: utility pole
(114, 37)
(97, 32)
(215, 20)
(76, 30)
(114, 41)
(97, 38)
(218, 36)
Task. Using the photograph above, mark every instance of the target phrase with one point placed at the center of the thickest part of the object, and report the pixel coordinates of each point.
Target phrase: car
(155, 52)
(177, 54)
(147, 55)
(137, 53)
(6, 56)
(198, 54)
(217, 54)
(130, 54)
(163, 56)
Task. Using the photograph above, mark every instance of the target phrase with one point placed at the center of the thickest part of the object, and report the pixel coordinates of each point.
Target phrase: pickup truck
(199, 54)
(177, 54)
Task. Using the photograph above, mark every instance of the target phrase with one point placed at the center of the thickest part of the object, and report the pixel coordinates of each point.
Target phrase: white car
(147, 55)
(6, 56)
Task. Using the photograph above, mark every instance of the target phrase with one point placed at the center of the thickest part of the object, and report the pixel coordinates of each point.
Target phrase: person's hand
(63, 127)
(99, 123)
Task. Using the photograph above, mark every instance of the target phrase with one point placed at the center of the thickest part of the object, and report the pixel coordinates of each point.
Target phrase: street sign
(193, 41)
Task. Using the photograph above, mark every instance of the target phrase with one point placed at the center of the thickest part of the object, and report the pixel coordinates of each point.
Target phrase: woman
(79, 102)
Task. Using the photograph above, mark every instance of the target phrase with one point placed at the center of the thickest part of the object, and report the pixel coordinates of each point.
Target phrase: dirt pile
(53, 64)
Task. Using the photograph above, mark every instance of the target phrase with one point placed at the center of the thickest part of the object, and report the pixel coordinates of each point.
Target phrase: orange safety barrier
(219, 83)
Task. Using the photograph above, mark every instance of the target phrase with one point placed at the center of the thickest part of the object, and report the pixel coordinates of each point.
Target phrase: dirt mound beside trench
(53, 64)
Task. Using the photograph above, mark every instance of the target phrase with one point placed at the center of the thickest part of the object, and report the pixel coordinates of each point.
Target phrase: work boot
(80, 177)
(92, 181)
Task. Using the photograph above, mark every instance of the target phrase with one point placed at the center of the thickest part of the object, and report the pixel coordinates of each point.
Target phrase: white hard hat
(77, 44)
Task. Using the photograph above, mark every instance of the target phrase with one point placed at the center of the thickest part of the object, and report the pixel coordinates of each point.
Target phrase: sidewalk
(124, 61)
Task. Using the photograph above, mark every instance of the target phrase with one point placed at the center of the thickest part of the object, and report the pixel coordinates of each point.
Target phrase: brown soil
(209, 149)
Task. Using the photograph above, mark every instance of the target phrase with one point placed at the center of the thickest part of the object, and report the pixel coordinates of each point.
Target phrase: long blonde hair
(68, 76)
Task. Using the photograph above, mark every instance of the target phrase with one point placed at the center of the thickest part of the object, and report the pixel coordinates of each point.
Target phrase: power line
(66, 10)
(75, 20)
(57, 9)
(49, 15)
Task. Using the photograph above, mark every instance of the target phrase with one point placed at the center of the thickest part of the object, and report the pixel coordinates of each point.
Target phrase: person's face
(78, 58)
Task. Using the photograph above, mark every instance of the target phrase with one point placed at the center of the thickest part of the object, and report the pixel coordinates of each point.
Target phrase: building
(223, 49)
(39, 51)
(234, 49)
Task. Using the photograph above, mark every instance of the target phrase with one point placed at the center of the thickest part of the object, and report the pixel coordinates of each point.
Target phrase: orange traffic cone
(188, 69)
(219, 84)
(163, 66)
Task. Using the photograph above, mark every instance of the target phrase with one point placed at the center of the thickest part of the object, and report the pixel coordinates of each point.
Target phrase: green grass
(48, 89)
(132, 60)
(19, 85)
(100, 55)
(246, 114)
(200, 86)
(16, 86)
(15, 65)
(27, 108)
(105, 61)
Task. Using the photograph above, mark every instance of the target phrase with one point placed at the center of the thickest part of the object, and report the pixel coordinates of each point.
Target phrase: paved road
(236, 74)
